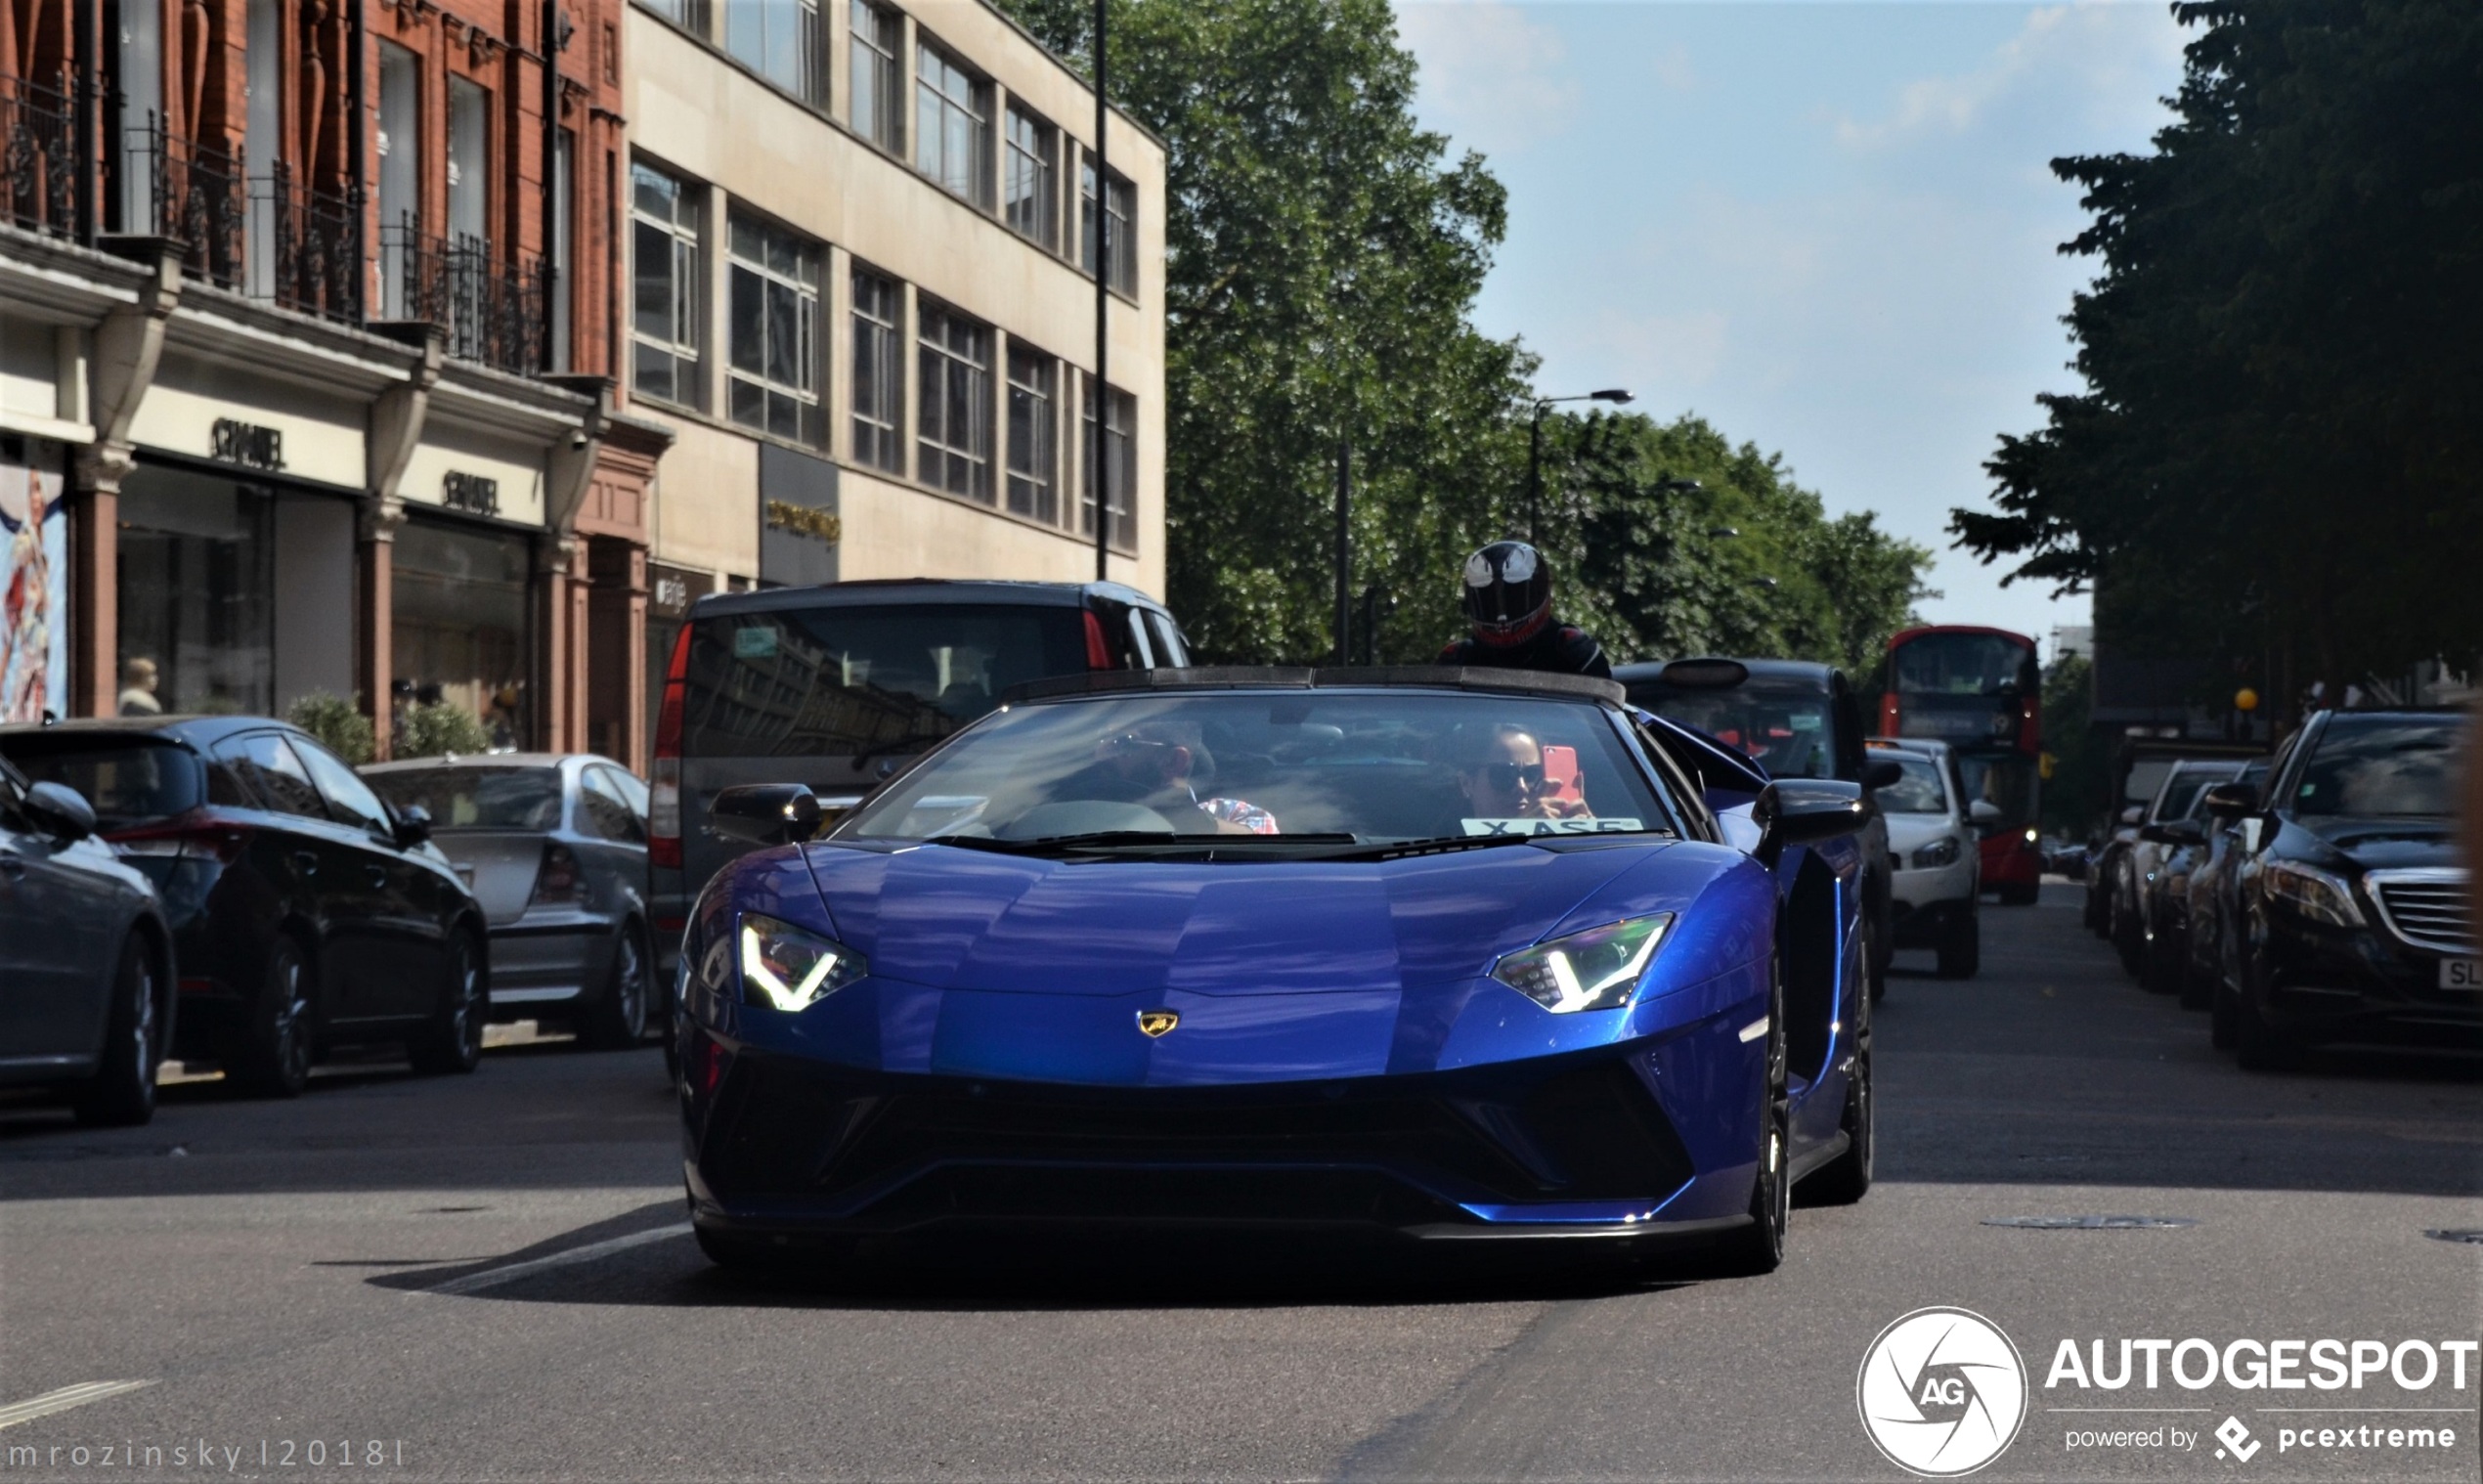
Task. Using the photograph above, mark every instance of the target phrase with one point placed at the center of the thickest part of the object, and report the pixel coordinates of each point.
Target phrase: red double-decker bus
(1980, 691)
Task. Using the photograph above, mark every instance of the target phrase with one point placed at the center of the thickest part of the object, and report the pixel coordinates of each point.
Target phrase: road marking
(490, 1278)
(63, 1399)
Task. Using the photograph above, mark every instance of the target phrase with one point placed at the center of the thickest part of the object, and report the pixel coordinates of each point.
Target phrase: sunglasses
(1507, 776)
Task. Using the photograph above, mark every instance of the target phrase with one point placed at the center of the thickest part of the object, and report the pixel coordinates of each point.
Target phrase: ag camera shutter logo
(1942, 1392)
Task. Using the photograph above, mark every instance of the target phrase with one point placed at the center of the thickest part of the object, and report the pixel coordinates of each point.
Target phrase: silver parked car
(553, 847)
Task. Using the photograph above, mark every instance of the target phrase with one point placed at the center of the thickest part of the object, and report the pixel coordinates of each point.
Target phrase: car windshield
(1920, 792)
(840, 680)
(2188, 787)
(470, 797)
(1785, 729)
(1347, 766)
(127, 782)
(2397, 767)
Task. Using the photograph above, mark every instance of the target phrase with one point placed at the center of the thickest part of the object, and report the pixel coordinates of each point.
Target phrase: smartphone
(1560, 775)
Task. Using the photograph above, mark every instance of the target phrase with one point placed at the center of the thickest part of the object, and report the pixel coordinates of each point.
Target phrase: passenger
(1156, 764)
(1503, 777)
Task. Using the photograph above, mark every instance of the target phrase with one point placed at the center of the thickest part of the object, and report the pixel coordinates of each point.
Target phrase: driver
(1153, 764)
(1503, 779)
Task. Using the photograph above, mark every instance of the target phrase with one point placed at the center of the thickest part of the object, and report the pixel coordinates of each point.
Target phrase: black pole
(1102, 306)
(1345, 553)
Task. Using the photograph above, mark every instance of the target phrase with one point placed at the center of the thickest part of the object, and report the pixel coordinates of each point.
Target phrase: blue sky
(1828, 228)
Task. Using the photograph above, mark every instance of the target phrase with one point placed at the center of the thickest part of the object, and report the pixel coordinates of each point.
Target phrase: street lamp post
(1535, 450)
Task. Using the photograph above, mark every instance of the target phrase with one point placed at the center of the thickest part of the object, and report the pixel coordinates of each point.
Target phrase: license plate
(2461, 973)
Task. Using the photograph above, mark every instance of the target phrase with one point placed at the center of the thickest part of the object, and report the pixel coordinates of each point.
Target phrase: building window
(689, 15)
(1120, 205)
(1027, 194)
(877, 115)
(779, 40)
(878, 377)
(953, 445)
(775, 334)
(664, 318)
(1034, 459)
(952, 112)
(1120, 461)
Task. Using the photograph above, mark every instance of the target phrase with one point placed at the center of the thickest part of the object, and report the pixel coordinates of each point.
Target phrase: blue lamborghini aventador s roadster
(1439, 953)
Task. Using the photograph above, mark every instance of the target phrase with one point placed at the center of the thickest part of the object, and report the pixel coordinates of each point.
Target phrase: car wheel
(1759, 1247)
(2261, 1044)
(122, 1093)
(2128, 937)
(2091, 911)
(2197, 985)
(274, 1060)
(618, 1021)
(1961, 946)
(453, 1041)
(2224, 1014)
(1874, 962)
(1846, 1178)
(2159, 969)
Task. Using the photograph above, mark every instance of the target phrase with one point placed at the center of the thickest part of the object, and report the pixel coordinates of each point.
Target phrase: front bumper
(1576, 1146)
(1921, 926)
(2361, 985)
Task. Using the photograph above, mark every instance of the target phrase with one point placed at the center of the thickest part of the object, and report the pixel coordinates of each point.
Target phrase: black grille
(2429, 913)
(1386, 1149)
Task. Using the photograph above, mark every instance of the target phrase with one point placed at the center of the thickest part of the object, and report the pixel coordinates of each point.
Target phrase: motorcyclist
(1508, 601)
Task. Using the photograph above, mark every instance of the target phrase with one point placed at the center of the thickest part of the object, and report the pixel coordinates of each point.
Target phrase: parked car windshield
(465, 797)
(2385, 766)
(1921, 791)
(1377, 767)
(1786, 727)
(127, 781)
(837, 680)
(2188, 787)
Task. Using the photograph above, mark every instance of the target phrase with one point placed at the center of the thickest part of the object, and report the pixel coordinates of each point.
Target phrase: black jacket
(1558, 648)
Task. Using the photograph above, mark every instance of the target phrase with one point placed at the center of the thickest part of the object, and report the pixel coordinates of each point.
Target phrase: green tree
(337, 723)
(2074, 797)
(2277, 451)
(442, 728)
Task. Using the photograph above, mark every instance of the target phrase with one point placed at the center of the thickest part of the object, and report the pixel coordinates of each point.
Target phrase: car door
(322, 867)
(55, 935)
(402, 915)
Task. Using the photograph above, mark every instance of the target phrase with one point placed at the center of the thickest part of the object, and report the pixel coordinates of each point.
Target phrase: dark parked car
(2139, 768)
(834, 687)
(305, 913)
(555, 847)
(2169, 848)
(86, 967)
(2209, 906)
(2133, 865)
(1797, 721)
(2354, 922)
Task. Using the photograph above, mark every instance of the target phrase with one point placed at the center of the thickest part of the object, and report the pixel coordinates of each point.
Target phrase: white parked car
(1935, 845)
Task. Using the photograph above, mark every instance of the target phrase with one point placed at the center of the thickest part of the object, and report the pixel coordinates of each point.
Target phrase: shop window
(460, 623)
(774, 333)
(196, 595)
(953, 444)
(664, 320)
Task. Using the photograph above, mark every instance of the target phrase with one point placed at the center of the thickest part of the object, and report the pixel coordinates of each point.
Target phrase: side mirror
(764, 813)
(60, 810)
(1983, 814)
(2134, 814)
(1805, 812)
(1879, 773)
(414, 826)
(2231, 801)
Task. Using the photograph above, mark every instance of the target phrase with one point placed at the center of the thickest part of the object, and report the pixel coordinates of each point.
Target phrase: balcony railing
(40, 169)
(491, 307)
(176, 188)
(305, 248)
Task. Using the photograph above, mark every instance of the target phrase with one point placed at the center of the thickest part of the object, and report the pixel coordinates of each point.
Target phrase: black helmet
(1508, 593)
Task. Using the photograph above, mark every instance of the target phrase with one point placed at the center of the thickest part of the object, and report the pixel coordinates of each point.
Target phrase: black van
(834, 686)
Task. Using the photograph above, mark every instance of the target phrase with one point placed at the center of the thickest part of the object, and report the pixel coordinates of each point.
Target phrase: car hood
(961, 919)
(2385, 842)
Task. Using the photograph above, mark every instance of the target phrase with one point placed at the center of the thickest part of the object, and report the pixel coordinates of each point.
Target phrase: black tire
(1759, 1247)
(2261, 1046)
(2198, 986)
(2224, 1014)
(274, 1057)
(2160, 961)
(616, 1021)
(1874, 961)
(451, 1042)
(2128, 938)
(1846, 1178)
(122, 1093)
(2091, 911)
(1960, 947)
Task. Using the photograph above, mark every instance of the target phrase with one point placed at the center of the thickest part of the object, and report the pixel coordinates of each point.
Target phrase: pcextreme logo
(1942, 1392)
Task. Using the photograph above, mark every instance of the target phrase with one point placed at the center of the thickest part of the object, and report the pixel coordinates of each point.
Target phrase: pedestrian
(1508, 601)
(137, 688)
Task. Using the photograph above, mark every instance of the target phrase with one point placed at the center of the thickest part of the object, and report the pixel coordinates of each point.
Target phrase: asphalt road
(486, 1277)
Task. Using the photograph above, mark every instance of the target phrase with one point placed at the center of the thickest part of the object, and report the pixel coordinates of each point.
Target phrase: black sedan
(86, 967)
(2353, 917)
(305, 913)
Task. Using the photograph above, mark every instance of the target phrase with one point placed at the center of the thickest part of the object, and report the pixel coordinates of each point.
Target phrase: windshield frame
(1674, 819)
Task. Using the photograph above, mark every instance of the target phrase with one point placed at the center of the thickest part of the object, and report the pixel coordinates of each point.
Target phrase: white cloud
(2093, 58)
(1495, 78)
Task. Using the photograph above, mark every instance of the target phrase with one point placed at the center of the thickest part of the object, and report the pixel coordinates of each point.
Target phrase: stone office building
(307, 361)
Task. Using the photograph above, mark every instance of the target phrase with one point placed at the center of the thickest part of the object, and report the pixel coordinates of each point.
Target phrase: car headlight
(1594, 970)
(2313, 893)
(786, 968)
(1939, 853)
(2031, 836)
